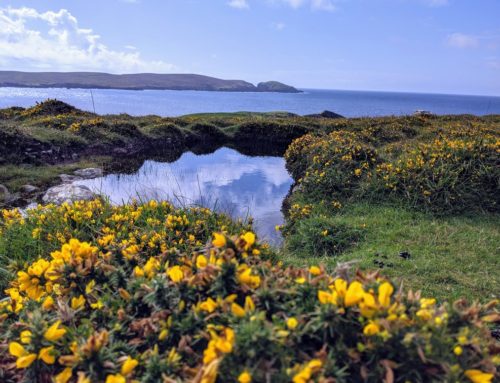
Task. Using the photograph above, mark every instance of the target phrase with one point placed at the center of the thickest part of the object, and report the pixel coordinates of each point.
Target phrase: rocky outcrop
(275, 86)
(67, 193)
(89, 173)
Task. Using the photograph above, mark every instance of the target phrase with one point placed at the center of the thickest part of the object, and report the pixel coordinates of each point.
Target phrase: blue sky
(438, 46)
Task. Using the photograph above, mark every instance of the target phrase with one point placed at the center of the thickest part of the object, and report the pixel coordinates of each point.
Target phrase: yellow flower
(249, 304)
(340, 286)
(16, 349)
(118, 378)
(315, 270)
(477, 376)
(300, 280)
(63, 376)
(354, 294)
(219, 240)
(245, 377)
(175, 274)
(385, 291)
(54, 333)
(47, 355)
(249, 239)
(292, 323)
(458, 350)
(129, 365)
(48, 303)
(25, 361)
(237, 310)
(201, 261)
(325, 297)
(26, 336)
(77, 303)
(371, 329)
(209, 305)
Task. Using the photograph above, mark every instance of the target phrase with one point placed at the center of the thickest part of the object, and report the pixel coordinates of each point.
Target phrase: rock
(28, 189)
(120, 151)
(67, 193)
(4, 193)
(89, 173)
(24, 211)
(67, 179)
(422, 113)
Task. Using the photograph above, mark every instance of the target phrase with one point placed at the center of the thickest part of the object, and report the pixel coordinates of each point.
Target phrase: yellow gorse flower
(128, 366)
(54, 333)
(219, 240)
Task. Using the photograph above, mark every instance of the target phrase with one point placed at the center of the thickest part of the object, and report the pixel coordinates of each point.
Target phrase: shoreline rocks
(67, 193)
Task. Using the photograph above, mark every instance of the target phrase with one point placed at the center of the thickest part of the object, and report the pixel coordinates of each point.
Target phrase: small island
(136, 81)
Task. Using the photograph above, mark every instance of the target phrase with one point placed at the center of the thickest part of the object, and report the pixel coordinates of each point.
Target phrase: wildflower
(458, 350)
(247, 278)
(64, 376)
(477, 376)
(209, 305)
(354, 294)
(371, 329)
(47, 355)
(201, 261)
(292, 323)
(77, 303)
(175, 274)
(315, 270)
(245, 377)
(48, 303)
(24, 358)
(385, 291)
(26, 336)
(219, 240)
(54, 333)
(249, 304)
(340, 287)
(237, 310)
(128, 366)
(249, 239)
(117, 378)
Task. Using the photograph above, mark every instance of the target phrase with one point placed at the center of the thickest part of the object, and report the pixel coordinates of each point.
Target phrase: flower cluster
(151, 293)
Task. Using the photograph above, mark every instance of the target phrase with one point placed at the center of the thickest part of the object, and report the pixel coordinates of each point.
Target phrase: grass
(450, 257)
(43, 176)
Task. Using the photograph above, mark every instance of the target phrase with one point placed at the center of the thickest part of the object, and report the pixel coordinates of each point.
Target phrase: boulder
(89, 173)
(67, 193)
(4, 193)
(28, 189)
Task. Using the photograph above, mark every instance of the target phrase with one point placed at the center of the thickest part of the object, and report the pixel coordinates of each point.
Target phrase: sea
(177, 103)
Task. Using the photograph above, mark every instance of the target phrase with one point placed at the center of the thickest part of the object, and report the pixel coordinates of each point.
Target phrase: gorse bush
(150, 293)
(459, 170)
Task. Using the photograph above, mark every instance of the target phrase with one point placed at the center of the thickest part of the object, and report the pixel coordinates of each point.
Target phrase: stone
(67, 193)
(4, 193)
(67, 179)
(29, 189)
(89, 173)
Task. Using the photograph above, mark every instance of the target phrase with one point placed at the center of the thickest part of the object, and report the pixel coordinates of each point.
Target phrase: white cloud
(460, 40)
(59, 43)
(321, 5)
(239, 4)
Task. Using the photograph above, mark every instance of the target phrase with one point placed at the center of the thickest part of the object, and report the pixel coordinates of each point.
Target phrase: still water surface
(225, 180)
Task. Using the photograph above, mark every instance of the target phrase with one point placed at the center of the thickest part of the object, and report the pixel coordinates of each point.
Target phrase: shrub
(145, 293)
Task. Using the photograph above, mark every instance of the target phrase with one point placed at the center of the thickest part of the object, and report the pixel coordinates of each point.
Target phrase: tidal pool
(225, 180)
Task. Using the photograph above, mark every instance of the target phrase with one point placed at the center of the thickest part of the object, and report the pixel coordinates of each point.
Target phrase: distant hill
(138, 81)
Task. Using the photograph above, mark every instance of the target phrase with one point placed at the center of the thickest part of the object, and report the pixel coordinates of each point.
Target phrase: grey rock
(67, 193)
(4, 193)
(29, 189)
(89, 173)
(120, 151)
(67, 179)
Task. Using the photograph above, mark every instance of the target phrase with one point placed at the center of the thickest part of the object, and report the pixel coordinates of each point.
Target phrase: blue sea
(177, 103)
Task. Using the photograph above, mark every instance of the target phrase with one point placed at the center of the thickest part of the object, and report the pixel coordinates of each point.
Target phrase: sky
(434, 46)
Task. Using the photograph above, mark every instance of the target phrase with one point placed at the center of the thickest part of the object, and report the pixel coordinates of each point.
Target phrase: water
(224, 180)
(176, 103)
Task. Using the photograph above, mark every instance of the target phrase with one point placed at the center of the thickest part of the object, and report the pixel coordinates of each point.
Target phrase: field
(388, 271)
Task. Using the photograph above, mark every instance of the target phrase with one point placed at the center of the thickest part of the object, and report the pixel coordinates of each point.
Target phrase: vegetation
(149, 293)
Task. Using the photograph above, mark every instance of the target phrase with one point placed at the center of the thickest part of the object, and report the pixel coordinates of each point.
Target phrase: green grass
(15, 176)
(450, 258)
